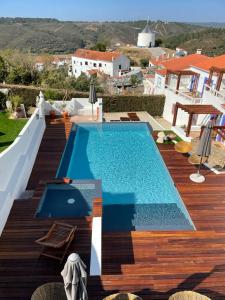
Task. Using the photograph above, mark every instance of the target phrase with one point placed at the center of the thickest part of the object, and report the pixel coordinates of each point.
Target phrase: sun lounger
(125, 119)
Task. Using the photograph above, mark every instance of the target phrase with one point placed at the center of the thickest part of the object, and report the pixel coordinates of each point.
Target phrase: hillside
(211, 40)
(53, 36)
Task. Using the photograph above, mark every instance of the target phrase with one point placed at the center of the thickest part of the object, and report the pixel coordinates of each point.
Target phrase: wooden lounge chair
(124, 119)
(133, 117)
(58, 237)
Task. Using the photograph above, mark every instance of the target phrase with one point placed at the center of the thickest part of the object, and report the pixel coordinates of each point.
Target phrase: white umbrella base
(198, 178)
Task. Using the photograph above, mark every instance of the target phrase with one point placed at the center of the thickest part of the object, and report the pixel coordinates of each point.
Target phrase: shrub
(153, 104)
(16, 101)
(51, 95)
(3, 99)
(3, 70)
(144, 62)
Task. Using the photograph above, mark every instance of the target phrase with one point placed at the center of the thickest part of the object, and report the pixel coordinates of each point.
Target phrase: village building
(91, 62)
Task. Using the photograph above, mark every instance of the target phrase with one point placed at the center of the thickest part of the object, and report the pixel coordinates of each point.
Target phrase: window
(95, 65)
(100, 65)
(159, 82)
(81, 63)
(86, 63)
(74, 62)
(120, 67)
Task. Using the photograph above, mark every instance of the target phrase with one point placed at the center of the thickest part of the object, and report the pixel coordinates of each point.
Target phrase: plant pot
(52, 114)
(65, 114)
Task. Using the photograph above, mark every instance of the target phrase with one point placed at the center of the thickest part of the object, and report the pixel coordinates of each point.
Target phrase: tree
(134, 80)
(82, 83)
(53, 78)
(3, 99)
(99, 47)
(144, 62)
(158, 42)
(3, 69)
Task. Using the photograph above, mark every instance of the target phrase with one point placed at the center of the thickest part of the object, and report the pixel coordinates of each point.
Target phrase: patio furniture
(50, 291)
(194, 159)
(161, 134)
(123, 296)
(183, 147)
(133, 117)
(124, 119)
(188, 295)
(58, 237)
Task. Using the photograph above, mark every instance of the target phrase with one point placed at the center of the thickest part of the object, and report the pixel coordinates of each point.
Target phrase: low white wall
(182, 116)
(17, 161)
(96, 247)
(76, 106)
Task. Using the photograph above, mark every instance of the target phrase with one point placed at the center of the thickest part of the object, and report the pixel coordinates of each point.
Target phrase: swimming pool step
(143, 217)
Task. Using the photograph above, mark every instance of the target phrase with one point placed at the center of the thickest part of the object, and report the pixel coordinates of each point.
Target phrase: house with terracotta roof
(90, 61)
(192, 79)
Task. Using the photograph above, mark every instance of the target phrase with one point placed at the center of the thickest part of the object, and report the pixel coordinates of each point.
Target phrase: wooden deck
(152, 264)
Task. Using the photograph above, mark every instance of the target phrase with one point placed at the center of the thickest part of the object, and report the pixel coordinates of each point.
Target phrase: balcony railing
(214, 92)
(185, 96)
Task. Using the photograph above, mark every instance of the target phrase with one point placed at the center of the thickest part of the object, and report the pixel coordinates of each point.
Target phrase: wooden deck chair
(58, 237)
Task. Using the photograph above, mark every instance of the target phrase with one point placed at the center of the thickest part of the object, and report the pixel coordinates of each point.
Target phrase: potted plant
(16, 109)
(65, 113)
(52, 111)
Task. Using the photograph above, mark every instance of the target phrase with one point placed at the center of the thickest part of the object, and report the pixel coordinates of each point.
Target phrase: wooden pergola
(181, 73)
(195, 109)
(219, 72)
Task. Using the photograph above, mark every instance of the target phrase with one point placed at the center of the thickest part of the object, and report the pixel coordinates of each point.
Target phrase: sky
(114, 10)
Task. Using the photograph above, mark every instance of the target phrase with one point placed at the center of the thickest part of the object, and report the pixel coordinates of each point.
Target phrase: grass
(9, 129)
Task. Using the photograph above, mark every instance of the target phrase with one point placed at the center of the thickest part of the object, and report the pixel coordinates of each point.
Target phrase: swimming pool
(138, 191)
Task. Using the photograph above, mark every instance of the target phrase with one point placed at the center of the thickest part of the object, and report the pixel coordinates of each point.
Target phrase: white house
(91, 62)
(192, 79)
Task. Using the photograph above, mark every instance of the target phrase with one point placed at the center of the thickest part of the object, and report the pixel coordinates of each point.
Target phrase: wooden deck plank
(151, 264)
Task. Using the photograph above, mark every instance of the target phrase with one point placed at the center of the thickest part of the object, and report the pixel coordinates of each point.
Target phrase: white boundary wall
(76, 106)
(17, 161)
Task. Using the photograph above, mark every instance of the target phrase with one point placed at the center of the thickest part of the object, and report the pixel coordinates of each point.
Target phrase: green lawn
(9, 130)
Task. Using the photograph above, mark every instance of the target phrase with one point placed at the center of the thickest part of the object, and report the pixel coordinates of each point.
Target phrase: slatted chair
(50, 291)
(59, 237)
(188, 295)
(123, 296)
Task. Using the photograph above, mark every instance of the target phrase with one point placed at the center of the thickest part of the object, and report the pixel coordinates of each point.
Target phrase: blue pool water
(138, 192)
(68, 200)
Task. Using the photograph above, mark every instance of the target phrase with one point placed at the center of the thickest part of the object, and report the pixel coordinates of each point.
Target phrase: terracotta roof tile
(96, 55)
(218, 61)
(182, 63)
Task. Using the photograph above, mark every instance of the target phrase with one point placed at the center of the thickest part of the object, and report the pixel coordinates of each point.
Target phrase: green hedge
(153, 104)
(29, 94)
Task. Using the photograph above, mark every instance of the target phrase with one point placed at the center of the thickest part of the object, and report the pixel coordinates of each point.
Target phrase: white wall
(17, 161)
(76, 106)
(122, 61)
(203, 74)
(182, 117)
(111, 68)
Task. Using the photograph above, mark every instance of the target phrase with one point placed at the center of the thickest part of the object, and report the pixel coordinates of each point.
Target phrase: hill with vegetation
(54, 36)
(211, 40)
